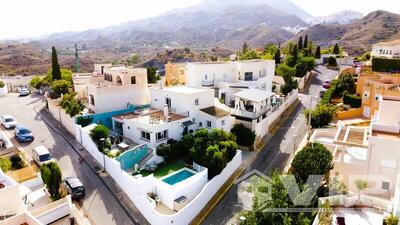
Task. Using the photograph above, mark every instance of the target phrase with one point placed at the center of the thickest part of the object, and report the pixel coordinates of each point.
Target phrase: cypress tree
(305, 41)
(336, 49)
(300, 43)
(277, 57)
(55, 67)
(318, 53)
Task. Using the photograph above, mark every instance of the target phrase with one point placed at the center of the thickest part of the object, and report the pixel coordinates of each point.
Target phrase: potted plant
(361, 185)
(325, 215)
(391, 220)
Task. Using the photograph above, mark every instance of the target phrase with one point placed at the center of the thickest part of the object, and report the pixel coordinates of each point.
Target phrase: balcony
(249, 114)
(207, 83)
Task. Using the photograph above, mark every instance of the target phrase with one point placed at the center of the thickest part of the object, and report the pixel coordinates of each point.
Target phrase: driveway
(100, 204)
(276, 153)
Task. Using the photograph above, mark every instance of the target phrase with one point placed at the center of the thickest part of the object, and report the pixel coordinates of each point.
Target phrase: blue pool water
(131, 157)
(178, 177)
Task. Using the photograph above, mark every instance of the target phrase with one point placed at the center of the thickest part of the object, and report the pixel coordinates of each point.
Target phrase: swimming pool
(178, 177)
(133, 156)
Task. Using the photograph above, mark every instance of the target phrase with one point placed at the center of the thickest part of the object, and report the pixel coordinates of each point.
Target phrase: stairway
(148, 156)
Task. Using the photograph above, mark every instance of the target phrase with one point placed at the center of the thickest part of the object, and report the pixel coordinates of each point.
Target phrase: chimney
(161, 83)
(166, 111)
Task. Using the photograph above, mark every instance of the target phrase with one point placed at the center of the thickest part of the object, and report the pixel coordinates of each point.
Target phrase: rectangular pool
(178, 177)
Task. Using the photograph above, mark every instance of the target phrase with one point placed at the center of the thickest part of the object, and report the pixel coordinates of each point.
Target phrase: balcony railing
(207, 83)
(248, 114)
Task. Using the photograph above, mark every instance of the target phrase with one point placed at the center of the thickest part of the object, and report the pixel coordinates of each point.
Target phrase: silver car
(8, 121)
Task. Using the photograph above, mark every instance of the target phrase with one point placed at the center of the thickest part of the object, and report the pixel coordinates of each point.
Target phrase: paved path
(277, 151)
(105, 203)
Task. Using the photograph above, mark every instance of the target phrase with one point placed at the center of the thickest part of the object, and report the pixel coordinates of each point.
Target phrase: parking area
(99, 203)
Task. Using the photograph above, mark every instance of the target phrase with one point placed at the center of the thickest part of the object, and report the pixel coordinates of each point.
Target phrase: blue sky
(27, 18)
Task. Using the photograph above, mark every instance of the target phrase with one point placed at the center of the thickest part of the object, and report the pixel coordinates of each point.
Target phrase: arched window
(110, 78)
(119, 80)
(133, 80)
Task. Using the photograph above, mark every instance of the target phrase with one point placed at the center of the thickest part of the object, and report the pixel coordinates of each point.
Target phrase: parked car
(74, 187)
(23, 134)
(326, 84)
(8, 121)
(357, 64)
(24, 92)
(41, 155)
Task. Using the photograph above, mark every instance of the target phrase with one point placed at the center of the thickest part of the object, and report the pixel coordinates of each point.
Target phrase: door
(168, 102)
(366, 112)
(248, 76)
(223, 97)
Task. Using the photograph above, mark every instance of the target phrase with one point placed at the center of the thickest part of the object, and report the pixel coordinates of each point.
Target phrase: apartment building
(390, 49)
(113, 88)
(372, 87)
(175, 73)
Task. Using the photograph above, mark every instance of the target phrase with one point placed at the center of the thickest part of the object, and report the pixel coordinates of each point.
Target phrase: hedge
(385, 65)
(329, 94)
(352, 100)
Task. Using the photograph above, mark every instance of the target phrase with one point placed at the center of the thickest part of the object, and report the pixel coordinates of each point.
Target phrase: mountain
(343, 17)
(358, 36)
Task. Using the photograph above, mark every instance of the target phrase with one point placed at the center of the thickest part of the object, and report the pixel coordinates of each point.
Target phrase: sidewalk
(123, 200)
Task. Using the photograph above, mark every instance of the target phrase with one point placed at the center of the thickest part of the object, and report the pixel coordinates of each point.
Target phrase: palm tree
(361, 185)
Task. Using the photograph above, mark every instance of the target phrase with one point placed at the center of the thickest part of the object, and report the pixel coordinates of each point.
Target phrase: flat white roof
(185, 90)
(255, 95)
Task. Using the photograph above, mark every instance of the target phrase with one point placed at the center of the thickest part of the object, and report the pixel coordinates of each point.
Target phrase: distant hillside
(343, 17)
(357, 37)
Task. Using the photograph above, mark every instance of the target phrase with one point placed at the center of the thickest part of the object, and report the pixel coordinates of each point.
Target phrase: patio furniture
(123, 145)
(340, 220)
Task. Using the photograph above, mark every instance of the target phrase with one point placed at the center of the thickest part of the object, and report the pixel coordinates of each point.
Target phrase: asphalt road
(276, 153)
(100, 204)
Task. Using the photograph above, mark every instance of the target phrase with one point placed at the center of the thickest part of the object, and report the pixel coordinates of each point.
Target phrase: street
(101, 205)
(276, 153)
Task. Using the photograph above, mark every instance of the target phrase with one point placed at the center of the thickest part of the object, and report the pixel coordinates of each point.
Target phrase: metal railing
(207, 83)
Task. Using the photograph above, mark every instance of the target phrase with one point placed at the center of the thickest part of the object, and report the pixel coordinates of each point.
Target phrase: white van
(41, 155)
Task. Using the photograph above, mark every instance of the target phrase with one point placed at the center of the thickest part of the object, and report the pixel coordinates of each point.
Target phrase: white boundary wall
(262, 127)
(60, 115)
(4, 90)
(137, 188)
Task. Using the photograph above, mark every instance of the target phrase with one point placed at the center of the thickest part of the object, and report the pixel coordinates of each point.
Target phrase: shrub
(391, 220)
(36, 82)
(352, 100)
(164, 150)
(244, 135)
(51, 176)
(321, 116)
(60, 87)
(17, 162)
(5, 164)
(332, 61)
(2, 84)
(99, 135)
(385, 65)
(283, 69)
(71, 105)
(84, 120)
(346, 83)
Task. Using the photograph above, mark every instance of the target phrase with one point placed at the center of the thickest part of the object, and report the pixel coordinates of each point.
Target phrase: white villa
(369, 153)
(390, 49)
(112, 88)
(174, 111)
(230, 77)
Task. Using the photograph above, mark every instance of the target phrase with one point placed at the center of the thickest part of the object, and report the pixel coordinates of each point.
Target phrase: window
(366, 94)
(196, 101)
(145, 136)
(385, 185)
(389, 163)
(133, 80)
(162, 135)
(377, 97)
(91, 99)
(223, 122)
(208, 124)
(200, 124)
(205, 77)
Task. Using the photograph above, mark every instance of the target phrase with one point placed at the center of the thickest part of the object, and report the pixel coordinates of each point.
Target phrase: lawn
(164, 169)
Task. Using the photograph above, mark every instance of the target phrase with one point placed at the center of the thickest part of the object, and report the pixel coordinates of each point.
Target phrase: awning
(187, 123)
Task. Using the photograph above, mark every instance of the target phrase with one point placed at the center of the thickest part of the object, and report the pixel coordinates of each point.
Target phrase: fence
(137, 188)
(53, 211)
(60, 115)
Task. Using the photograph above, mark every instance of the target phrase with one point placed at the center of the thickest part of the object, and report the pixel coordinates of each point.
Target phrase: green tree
(277, 56)
(55, 66)
(244, 135)
(346, 83)
(321, 116)
(152, 76)
(318, 53)
(17, 162)
(71, 105)
(60, 87)
(336, 49)
(361, 185)
(304, 65)
(36, 82)
(305, 45)
(51, 176)
(99, 135)
(289, 85)
(164, 150)
(300, 43)
(245, 48)
(313, 159)
(285, 70)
